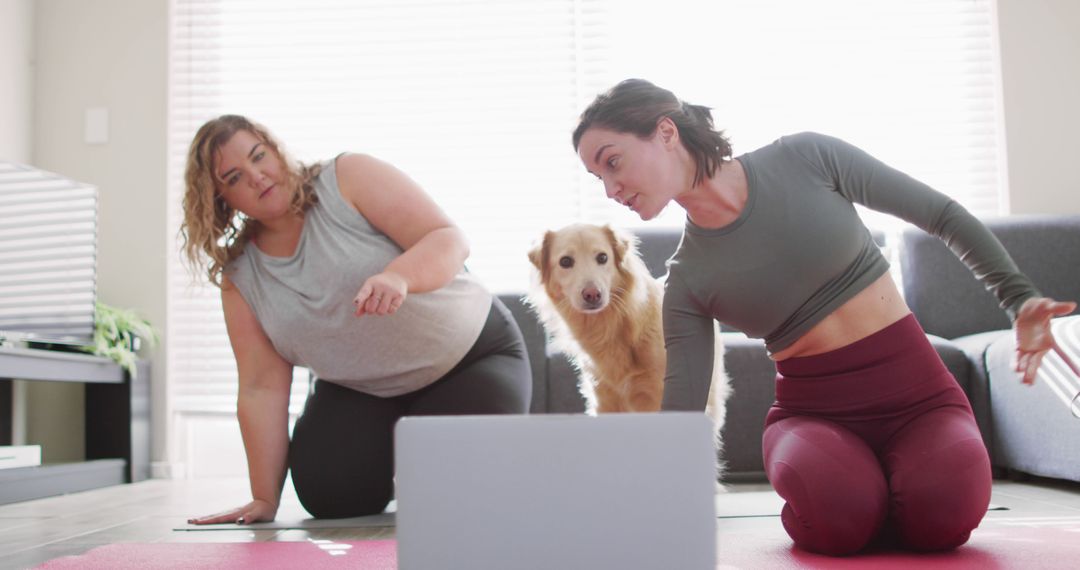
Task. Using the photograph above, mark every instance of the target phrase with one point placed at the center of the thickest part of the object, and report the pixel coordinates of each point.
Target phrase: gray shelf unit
(117, 423)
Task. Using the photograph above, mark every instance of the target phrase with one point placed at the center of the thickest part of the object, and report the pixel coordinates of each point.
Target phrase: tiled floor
(35, 531)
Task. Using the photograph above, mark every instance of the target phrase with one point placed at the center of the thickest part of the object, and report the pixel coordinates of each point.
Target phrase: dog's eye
(566, 261)
(601, 258)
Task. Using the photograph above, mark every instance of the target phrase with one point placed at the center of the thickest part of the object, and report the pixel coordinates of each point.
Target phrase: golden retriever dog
(597, 300)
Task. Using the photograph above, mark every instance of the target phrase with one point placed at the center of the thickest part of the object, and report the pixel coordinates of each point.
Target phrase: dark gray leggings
(341, 454)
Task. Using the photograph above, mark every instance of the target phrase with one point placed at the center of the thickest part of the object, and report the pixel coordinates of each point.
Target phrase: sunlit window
(476, 100)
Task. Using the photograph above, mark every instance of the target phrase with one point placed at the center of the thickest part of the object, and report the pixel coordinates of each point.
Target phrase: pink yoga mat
(366, 554)
(1033, 543)
(1038, 545)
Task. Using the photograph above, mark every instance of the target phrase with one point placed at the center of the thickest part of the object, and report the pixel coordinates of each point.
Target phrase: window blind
(476, 100)
(913, 82)
(48, 238)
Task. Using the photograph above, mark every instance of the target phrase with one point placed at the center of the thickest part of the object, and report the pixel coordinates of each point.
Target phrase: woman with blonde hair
(346, 267)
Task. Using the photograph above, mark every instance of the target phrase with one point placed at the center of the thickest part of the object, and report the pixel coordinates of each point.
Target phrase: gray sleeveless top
(304, 303)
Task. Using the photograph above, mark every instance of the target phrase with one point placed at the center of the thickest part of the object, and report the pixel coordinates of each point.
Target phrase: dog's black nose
(592, 296)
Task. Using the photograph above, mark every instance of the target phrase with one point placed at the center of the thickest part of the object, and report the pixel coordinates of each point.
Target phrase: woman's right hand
(257, 510)
(1035, 336)
(381, 294)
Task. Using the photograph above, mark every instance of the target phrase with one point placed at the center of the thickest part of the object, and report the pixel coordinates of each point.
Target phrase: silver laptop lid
(556, 492)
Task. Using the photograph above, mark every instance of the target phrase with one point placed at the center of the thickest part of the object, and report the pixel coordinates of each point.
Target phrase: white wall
(112, 54)
(1040, 60)
(16, 79)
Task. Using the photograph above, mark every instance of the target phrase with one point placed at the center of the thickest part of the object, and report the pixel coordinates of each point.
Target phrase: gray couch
(963, 322)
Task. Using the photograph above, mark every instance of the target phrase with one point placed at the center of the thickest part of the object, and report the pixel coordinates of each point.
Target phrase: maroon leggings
(871, 436)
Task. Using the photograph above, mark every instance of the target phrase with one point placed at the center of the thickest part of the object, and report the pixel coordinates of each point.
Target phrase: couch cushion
(656, 246)
(564, 394)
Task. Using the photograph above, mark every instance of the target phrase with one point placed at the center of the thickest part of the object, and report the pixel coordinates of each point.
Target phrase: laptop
(556, 492)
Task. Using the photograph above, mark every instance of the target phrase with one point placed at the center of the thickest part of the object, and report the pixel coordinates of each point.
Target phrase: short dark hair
(636, 106)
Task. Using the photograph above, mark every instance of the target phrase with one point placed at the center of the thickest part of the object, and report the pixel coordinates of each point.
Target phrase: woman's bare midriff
(872, 309)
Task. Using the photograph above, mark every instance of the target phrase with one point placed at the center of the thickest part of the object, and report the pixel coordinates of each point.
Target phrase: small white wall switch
(97, 125)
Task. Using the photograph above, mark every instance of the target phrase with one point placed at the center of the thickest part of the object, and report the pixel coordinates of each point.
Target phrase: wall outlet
(97, 126)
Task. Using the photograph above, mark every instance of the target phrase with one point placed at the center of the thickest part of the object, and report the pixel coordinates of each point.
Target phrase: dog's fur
(604, 310)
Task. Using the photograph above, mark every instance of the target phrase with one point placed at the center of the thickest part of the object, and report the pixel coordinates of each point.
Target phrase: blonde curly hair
(213, 234)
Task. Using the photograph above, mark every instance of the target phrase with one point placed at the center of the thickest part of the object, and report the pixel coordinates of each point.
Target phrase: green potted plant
(118, 334)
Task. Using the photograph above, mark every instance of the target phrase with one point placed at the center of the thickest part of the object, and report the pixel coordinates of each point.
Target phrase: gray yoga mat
(296, 518)
(765, 504)
(728, 506)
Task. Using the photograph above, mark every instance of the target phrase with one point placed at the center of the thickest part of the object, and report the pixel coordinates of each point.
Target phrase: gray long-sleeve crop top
(798, 250)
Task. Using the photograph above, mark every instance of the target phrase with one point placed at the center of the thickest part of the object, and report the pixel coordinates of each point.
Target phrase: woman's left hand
(1034, 338)
(382, 294)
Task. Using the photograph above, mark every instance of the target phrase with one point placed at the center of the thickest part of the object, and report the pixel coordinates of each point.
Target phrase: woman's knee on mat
(335, 478)
(836, 522)
(928, 539)
(333, 490)
(334, 502)
(940, 495)
(931, 514)
(835, 489)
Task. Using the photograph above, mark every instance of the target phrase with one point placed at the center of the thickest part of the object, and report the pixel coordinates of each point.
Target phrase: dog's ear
(622, 243)
(538, 255)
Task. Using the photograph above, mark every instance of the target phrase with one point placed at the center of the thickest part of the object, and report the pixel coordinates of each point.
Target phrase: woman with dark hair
(348, 268)
(869, 434)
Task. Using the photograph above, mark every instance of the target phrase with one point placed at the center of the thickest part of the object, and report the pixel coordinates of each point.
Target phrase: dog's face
(582, 264)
